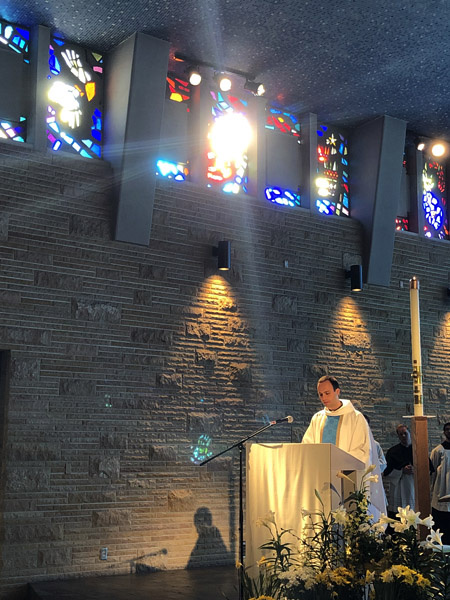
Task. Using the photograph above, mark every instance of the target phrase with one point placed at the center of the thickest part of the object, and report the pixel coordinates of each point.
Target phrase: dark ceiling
(346, 60)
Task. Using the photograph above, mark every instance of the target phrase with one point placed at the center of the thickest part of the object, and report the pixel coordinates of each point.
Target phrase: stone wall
(123, 357)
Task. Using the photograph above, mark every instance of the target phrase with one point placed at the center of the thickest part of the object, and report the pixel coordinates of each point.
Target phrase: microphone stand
(240, 445)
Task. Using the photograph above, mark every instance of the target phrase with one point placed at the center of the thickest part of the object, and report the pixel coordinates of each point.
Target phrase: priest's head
(446, 430)
(328, 390)
(403, 435)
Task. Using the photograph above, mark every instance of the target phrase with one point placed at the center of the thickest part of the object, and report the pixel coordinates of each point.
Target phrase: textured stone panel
(92, 497)
(80, 226)
(54, 557)
(76, 387)
(27, 480)
(104, 466)
(105, 518)
(28, 451)
(286, 305)
(356, 341)
(227, 305)
(145, 484)
(201, 331)
(4, 226)
(25, 369)
(240, 373)
(205, 357)
(151, 336)
(201, 422)
(181, 500)
(101, 312)
(162, 453)
(33, 532)
(296, 345)
(170, 380)
(113, 440)
(153, 273)
(16, 335)
(57, 281)
(142, 297)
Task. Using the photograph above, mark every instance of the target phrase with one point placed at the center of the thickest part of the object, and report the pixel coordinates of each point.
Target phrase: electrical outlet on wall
(103, 553)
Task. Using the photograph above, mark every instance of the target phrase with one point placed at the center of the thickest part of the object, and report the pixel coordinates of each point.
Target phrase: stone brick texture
(128, 361)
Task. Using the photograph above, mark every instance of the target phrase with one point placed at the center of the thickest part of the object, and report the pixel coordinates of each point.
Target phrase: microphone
(289, 419)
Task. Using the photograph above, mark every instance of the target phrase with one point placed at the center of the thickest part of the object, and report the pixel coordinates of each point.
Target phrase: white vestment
(440, 479)
(354, 436)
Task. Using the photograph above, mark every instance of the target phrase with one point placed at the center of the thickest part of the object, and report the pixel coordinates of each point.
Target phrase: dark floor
(214, 583)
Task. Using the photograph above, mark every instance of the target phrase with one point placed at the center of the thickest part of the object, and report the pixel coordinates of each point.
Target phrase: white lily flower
(369, 469)
(408, 516)
(435, 537)
(400, 526)
(384, 519)
(428, 522)
(340, 515)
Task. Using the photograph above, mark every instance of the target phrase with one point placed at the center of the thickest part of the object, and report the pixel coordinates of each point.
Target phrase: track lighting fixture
(223, 81)
(419, 144)
(221, 75)
(256, 88)
(436, 148)
(194, 76)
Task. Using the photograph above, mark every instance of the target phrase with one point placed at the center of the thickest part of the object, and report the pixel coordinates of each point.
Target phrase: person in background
(380, 453)
(440, 485)
(399, 472)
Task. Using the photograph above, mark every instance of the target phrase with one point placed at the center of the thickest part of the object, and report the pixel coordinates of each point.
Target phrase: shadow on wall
(209, 548)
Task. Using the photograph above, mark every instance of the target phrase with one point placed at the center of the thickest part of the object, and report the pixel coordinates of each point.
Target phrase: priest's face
(328, 396)
(404, 436)
(447, 433)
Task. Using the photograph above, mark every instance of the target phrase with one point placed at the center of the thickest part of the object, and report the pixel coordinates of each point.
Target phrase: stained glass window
(15, 38)
(331, 185)
(283, 197)
(228, 139)
(402, 224)
(402, 219)
(434, 200)
(172, 170)
(278, 120)
(74, 93)
(15, 131)
(177, 89)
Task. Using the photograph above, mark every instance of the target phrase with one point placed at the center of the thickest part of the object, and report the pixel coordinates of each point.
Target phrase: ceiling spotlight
(419, 144)
(257, 89)
(438, 149)
(223, 81)
(194, 76)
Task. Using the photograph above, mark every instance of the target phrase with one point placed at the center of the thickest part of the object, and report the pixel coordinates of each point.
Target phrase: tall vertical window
(228, 139)
(402, 219)
(173, 162)
(283, 164)
(331, 185)
(74, 94)
(434, 200)
(178, 89)
(14, 38)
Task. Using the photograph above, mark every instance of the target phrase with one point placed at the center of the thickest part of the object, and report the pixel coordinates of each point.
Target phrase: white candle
(415, 346)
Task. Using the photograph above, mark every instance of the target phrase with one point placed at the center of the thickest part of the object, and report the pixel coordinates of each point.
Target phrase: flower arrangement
(345, 555)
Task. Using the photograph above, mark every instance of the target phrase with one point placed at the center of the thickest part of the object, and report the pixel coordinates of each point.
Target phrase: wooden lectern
(283, 478)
